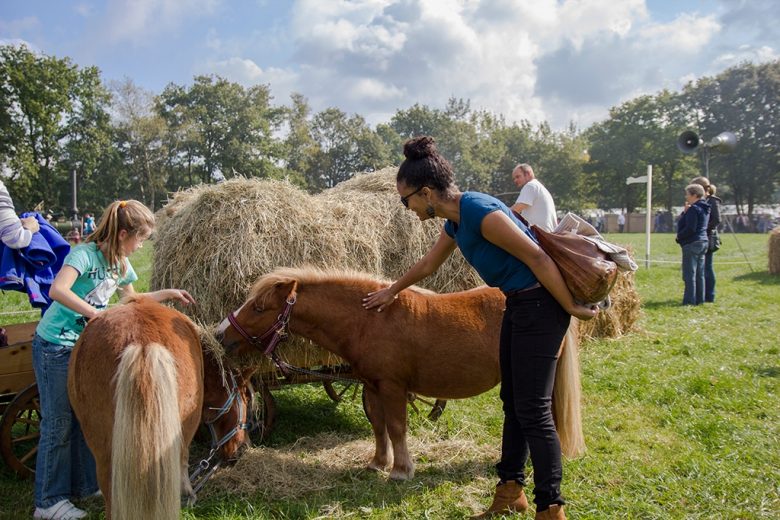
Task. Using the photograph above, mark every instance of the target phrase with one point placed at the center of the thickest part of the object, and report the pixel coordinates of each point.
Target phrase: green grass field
(682, 421)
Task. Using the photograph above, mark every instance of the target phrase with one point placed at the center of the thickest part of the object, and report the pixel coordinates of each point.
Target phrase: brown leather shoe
(509, 498)
(555, 512)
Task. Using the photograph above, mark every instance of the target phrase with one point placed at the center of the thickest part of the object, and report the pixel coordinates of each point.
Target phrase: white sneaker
(62, 510)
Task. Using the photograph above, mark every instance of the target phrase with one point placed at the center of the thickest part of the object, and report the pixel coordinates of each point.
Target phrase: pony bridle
(277, 332)
(205, 467)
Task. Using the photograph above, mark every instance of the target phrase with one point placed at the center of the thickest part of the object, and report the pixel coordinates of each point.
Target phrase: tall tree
(744, 100)
(54, 122)
(219, 129)
(140, 139)
(346, 146)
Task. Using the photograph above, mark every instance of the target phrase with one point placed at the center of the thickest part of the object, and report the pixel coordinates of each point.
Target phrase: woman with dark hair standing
(538, 309)
(713, 239)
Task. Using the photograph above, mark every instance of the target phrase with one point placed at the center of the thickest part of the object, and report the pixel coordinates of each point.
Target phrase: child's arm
(162, 295)
(61, 292)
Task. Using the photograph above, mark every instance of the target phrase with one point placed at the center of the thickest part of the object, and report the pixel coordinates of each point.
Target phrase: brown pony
(139, 383)
(437, 345)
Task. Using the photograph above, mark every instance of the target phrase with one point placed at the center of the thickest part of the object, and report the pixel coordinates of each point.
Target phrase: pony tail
(146, 470)
(567, 394)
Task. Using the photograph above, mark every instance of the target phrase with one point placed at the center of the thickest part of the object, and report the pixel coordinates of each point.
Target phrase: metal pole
(647, 217)
(75, 210)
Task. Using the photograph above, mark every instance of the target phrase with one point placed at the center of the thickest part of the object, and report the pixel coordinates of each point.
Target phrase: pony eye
(257, 308)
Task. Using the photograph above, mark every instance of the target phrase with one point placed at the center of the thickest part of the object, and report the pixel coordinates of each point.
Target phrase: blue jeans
(65, 468)
(709, 278)
(693, 272)
(531, 333)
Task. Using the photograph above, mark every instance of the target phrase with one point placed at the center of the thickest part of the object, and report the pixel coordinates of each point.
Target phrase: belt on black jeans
(515, 292)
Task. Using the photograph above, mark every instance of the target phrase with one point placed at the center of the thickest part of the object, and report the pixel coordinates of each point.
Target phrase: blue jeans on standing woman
(709, 278)
(693, 272)
(65, 468)
(531, 333)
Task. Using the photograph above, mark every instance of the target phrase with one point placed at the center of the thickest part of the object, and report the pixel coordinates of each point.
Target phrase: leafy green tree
(744, 100)
(345, 146)
(54, 121)
(140, 140)
(219, 129)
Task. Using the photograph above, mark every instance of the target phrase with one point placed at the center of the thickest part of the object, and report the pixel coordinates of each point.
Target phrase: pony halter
(277, 332)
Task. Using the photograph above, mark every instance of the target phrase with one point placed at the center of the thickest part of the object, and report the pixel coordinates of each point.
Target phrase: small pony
(139, 383)
(437, 345)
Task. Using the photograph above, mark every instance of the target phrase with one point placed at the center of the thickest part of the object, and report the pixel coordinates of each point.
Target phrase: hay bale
(221, 238)
(774, 251)
(620, 318)
(216, 240)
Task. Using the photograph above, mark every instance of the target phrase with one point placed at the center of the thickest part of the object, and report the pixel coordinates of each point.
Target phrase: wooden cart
(19, 404)
(338, 382)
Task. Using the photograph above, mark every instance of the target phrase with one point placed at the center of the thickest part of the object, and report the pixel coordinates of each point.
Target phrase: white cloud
(687, 34)
(247, 73)
(744, 53)
(135, 21)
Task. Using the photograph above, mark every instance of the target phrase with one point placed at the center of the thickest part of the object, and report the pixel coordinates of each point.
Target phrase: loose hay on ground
(322, 462)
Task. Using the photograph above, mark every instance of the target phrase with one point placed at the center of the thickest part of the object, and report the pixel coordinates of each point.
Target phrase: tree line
(57, 119)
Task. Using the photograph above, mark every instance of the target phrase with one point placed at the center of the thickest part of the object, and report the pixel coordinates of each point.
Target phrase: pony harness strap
(277, 332)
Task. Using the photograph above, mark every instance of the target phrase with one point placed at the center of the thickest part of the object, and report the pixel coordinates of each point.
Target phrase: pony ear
(287, 287)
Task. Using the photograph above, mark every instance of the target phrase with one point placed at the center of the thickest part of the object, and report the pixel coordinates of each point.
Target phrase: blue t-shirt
(95, 285)
(497, 267)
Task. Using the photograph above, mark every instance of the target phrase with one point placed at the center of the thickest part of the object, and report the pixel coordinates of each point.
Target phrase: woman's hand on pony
(380, 299)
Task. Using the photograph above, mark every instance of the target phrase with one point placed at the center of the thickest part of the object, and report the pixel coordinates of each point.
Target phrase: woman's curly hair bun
(420, 147)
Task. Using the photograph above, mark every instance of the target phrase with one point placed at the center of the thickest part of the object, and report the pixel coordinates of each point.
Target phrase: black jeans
(531, 333)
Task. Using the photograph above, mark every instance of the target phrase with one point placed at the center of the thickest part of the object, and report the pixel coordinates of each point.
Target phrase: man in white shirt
(534, 202)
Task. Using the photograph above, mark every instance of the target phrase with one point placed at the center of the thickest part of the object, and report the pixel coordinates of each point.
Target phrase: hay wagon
(311, 364)
(19, 406)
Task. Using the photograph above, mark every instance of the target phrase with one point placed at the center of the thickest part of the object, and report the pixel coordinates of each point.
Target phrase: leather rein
(205, 467)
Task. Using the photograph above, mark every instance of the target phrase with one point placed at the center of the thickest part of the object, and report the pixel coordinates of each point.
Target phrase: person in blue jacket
(538, 309)
(692, 237)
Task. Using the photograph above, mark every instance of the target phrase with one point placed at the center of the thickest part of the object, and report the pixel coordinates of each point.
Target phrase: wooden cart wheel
(20, 431)
(265, 415)
(338, 390)
(436, 405)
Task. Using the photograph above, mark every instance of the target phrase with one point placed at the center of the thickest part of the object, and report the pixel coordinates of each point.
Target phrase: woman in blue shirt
(538, 309)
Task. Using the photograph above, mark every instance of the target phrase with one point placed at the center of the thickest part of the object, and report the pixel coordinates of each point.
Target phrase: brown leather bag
(588, 272)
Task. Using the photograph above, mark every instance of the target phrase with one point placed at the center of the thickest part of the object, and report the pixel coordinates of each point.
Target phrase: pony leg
(186, 487)
(376, 416)
(394, 403)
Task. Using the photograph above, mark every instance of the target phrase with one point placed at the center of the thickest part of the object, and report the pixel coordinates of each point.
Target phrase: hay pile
(774, 251)
(216, 240)
(327, 461)
(620, 318)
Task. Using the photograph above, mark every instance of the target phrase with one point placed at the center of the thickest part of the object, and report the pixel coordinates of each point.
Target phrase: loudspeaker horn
(723, 142)
(689, 141)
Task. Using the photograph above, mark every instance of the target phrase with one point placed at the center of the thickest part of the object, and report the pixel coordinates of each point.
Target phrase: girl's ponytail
(128, 215)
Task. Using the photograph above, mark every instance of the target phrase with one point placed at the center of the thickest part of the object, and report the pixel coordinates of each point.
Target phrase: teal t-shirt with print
(95, 285)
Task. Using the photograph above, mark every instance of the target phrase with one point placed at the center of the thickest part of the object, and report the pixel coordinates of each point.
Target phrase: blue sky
(558, 61)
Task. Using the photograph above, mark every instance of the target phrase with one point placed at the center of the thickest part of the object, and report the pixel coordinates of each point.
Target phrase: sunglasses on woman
(405, 199)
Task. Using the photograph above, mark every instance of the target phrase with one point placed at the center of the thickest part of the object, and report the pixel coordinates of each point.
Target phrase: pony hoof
(375, 466)
(188, 500)
(397, 474)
